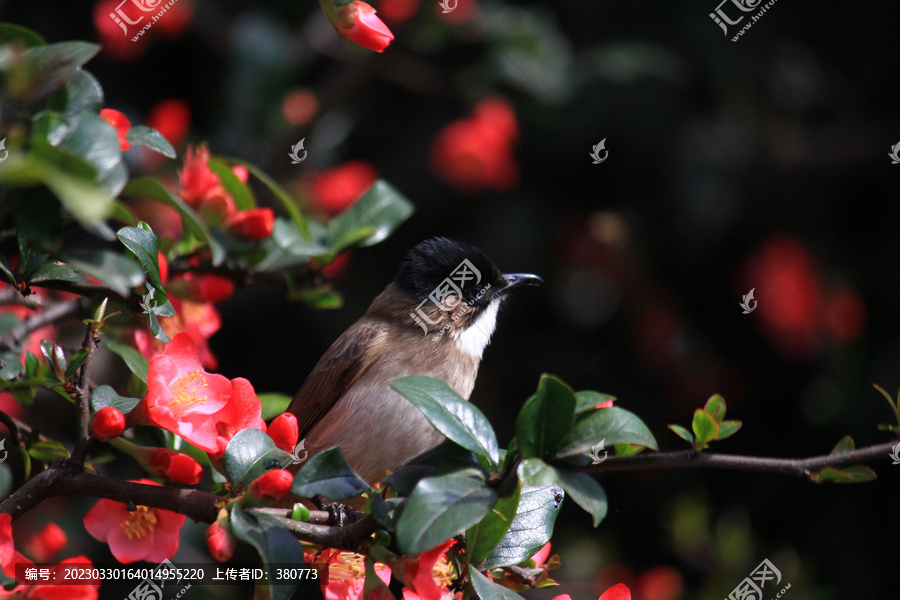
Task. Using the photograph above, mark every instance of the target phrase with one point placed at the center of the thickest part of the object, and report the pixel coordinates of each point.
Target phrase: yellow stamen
(348, 567)
(185, 391)
(139, 523)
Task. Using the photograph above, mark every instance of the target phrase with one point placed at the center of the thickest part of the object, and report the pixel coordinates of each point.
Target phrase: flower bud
(273, 485)
(108, 423)
(357, 22)
(284, 431)
(220, 541)
(176, 466)
(254, 224)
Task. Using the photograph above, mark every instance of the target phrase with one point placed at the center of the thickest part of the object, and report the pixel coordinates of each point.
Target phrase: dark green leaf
(705, 427)
(441, 508)
(54, 271)
(10, 33)
(104, 396)
(54, 357)
(145, 246)
(76, 360)
(854, 474)
(586, 400)
(546, 418)
(531, 528)
(287, 247)
(614, 425)
(328, 474)
(147, 187)
(454, 417)
(716, 407)
(142, 135)
(682, 433)
(51, 127)
(110, 268)
(382, 207)
(728, 429)
(484, 537)
(845, 445)
(97, 143)
(488, 590)
(535, 473)
(276, 546)
(50, 67)
(47, 451)
(6, 269)
(387, 512)
(84, 94)
(585, 492)
(135, 362)
(249, 454)
(243, 197)
(10, 365)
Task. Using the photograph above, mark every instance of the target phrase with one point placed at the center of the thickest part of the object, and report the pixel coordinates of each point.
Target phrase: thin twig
(48, 316)
(805, 468)
(82, 396)
(351, 537)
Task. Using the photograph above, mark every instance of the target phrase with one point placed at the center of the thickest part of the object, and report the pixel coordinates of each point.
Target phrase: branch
(82, 396)
(351, 537)
(686, 459)
(48, 316)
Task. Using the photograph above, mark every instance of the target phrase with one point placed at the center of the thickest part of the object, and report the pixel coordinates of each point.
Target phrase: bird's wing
(341, 365)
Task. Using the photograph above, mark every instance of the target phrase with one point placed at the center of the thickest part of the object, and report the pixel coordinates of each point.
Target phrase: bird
(434, 319)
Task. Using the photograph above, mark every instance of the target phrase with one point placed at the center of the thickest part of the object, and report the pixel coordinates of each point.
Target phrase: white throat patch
(473, 340)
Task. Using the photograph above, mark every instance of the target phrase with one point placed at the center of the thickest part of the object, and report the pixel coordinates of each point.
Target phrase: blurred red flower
(340, 188)
(116, 43)
(46, 543)
(176, 20)
(202, 188)
(147, 533)
(660, 583)
(201, 287)
(397, 11)
(253, 224)
(460, 10)
(357, 22)
(475, 154)
(120, 123)
(171, 118)
(617, 592)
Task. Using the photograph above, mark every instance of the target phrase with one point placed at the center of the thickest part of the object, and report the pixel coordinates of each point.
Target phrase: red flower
(176, 466)
(108, 422)
(243, 411)
(202, 188)
(202, 287)
(46, 543)
(165, 220)
(607, 404)
(338, 189)
(176, 21)
(116, 42)
(463, 11)
(338, 267)
(171, 118)
(120, 123)
(423, 574)
(163, 267)
(541, 556)
(8, 555)
(617, 592)
(299, 106)
(272, 485)
(253, 224)
(284, 431)
(398, 11)
(146, 533)
(220, 541)
(357, 22)
(845, 315)
(475, 154)
(347, 574)
(660, 583)
(241, 173)
(199, 320)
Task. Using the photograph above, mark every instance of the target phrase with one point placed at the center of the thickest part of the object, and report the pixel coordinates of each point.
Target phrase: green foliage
(708, 425)
(249, 454)
(327, 474)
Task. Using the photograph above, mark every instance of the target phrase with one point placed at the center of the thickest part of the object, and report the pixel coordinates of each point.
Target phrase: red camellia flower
(171, 118)
(398, 11)
(202, 188)
(243, 411)
(46, 543)
(541, 556)
(146, 533)
(284, 431)
(253, 224)
(202, 287)
(175, 466)
(116, 42)
(108, 422)
(220, 541)
(475, 154)
(357, 22)
(272, 485)
(121, 124)
(616, 592)
(427, 576)
(347, 574)
(8, 555)
(338, 189)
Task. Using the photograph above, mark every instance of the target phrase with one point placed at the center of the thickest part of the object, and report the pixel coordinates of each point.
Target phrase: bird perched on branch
(434, 319)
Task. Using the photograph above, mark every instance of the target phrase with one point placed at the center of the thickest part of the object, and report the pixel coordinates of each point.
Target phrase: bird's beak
(517, 280)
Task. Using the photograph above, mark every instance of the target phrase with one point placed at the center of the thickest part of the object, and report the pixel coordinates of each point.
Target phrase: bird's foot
(338, 514)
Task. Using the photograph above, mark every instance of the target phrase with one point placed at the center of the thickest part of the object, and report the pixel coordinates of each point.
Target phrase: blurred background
(757, 164)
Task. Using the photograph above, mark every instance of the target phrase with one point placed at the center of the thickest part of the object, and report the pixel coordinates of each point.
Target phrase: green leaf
(279, 192)
(276, 546)
(54, 271)
(110, 268)
(682, 433)
(534, 473)
(104, 396)
(273, 404)
(10, 33)
(134, 360)
(845, 445)
(96, 142)
(142, 135)
(586, 400)
(716, 407)
(728, 429)
(249, 454)
(615, 425)
(76, 360)
(440, 508)
(47, 451)
(148, 187)
(243, 197)
(55, 358)
(705, 427)
(84, 94)
(585, 492)
(484, 537)
(546, 418)
(853, 474)
(42, 70)
(328, 474)
(531, 528)
(454, 417)
(287, 247)
(382, 208)
(144, 244)
(10, 365)
(488, 590)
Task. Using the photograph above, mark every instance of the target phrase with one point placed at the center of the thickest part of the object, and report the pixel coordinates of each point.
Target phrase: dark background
(716, 148)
